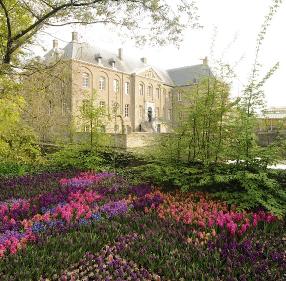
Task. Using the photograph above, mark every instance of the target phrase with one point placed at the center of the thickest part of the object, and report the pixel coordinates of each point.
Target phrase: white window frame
(150, 91)
(102, 104)
(179, 96)
(126, 88)
(85, 80)
(126, 110)
(158, 92)
(101, 85)
(116, 86)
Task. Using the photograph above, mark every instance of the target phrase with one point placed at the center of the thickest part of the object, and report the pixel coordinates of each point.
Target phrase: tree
(92, 119)
(201, 121)
(252, 101)
(21, 20)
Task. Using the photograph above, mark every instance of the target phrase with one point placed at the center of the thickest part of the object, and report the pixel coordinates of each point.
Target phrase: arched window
(102, 83)
(85, 80)
(116, 86)
(150, 91)
(126, 88)
(158, 93)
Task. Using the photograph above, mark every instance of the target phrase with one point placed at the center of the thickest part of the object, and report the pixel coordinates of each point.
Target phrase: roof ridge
(183, 67)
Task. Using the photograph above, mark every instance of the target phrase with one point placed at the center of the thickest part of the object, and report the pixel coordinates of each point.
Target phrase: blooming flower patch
(170, 236)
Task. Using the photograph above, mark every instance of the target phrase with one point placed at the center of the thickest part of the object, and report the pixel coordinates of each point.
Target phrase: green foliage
(246, 190)
(18, 143)
(77, 157)
(20, 21)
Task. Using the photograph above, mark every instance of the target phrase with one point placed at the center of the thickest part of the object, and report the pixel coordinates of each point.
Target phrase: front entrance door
(150, 114)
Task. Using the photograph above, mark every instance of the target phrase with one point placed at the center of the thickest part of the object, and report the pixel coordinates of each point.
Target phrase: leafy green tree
(93, 119)
(21, 20)
(201, 119)
(252, 102)
(17, 140)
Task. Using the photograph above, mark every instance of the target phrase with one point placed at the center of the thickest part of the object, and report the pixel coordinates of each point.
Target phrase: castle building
(137, 96)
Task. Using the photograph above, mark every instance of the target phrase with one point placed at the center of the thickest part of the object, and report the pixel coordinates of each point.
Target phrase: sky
(236, 25)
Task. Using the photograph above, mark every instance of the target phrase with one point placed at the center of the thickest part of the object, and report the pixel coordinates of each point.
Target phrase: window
(157, 112)
(85, 80)
(86, 128)
(179, 96)
(101, 83)
(141, 89)
(50, 108)
(140, 112)
(169, 114)
(158, 93)
(180, 115)
(115, 86)
(126, 110)
(169, 96)
(126, 88)
(150, 91)
(102, 104)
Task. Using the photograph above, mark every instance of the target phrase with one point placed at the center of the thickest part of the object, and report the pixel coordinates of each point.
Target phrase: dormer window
(98, 57)
(112, 63)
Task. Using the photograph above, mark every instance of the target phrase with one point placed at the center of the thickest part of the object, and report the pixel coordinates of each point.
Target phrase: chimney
(55, 44)
(120, 53)
(144, 60)
(74, 36)
(205, 61)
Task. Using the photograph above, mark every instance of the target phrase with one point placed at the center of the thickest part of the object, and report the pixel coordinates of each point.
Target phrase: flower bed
(143, 234)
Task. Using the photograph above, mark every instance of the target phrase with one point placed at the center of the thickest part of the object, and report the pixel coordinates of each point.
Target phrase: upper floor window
(169, 96)
(126, 110)
(86, 128)
(158, 93)
(126, 88)
(102, 104)
(150, 91)
(101, 83)
(179, 96)
(85, 80)
(116, 86)
(141, 89)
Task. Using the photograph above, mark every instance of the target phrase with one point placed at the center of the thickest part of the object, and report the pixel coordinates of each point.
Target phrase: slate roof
(174, 77)
(187, 75)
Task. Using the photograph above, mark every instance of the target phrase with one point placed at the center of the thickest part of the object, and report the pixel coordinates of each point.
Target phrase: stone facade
(137, 97)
